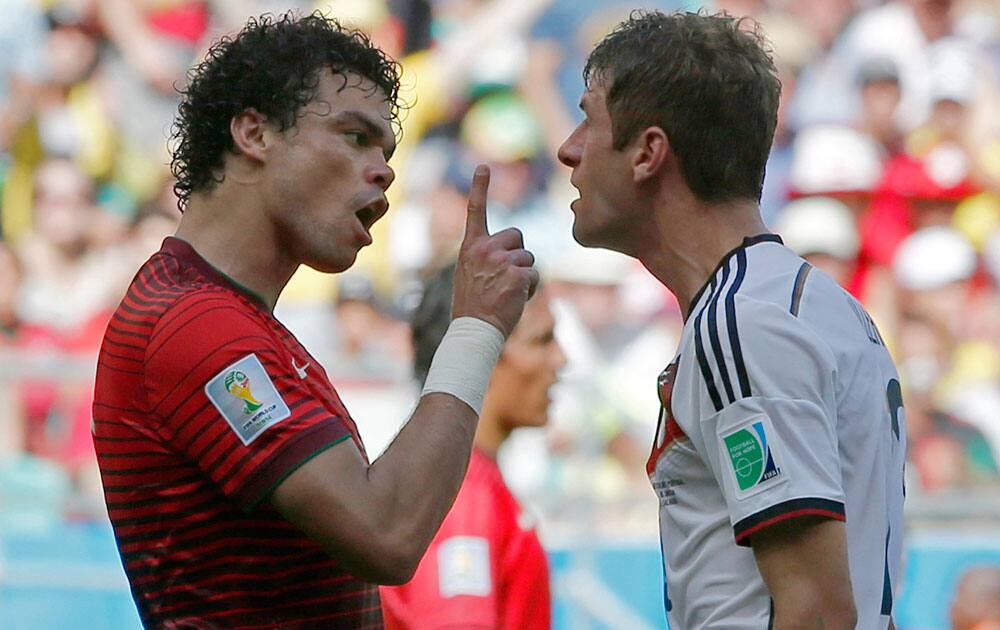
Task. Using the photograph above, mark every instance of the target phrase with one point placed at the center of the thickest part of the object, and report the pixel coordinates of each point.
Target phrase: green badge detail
(747, 456)
(238, 385)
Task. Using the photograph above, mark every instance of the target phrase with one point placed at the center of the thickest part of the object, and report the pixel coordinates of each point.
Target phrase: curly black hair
(708, 81)
(273, 65)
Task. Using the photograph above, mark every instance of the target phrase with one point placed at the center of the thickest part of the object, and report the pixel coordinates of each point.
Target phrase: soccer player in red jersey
(238, 487)
(485, 567)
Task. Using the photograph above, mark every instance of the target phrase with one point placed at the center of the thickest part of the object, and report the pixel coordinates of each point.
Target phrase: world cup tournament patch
(464, 567)
(754, 458)
(248, 400)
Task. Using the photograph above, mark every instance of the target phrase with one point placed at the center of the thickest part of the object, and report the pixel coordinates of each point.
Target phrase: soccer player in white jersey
(778, 460)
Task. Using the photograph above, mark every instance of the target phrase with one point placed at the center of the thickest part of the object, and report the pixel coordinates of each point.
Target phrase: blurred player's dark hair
(708, 81)
(431, 318)
(273, 65)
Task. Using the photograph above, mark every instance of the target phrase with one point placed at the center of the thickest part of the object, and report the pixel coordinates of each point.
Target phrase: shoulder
(201, 327)
(212, 312)
(755, 348)
(772, 336)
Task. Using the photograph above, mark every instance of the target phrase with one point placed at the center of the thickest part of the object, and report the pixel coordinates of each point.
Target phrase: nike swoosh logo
(301, 371)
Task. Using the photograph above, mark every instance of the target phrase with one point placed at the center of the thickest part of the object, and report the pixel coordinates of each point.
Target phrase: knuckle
(499, 257)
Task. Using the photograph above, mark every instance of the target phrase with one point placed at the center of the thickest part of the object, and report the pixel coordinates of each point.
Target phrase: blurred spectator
(11, 418)
(10, 285)
(792, 49)
(822, 230)
(880, 95)
(603, 418)
(934, 268)
(371, 343)
(823, 89)
(22, 37)
(946, 452)
(899, 30)
(72, 116)
(976, 605)
(67, 282)
(152, 223)
(68, 289)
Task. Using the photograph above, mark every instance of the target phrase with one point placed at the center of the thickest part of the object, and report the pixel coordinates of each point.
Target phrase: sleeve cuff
(784, 511)
(310, 443)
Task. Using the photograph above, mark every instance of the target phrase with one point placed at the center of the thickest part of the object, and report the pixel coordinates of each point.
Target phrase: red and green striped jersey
(204, 403)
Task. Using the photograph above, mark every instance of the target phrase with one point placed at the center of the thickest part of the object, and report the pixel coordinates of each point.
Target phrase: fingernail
(481, 170)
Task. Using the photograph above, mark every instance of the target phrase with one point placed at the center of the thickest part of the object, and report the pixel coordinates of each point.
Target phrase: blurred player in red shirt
(485, 567)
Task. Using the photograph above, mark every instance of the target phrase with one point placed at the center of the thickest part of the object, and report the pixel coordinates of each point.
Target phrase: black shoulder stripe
(699, 348)
(797, 288)
(713, 335)
(734, 335)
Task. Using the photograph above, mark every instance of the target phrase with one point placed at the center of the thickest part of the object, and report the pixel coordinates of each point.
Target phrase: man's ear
(650, 151)
(249, 130)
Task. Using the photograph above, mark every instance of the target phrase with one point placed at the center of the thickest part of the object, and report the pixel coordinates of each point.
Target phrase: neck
(690, 240)
(251, 254)
(491, 432)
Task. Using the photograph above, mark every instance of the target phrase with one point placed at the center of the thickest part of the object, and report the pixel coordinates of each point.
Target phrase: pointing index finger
(475, 221)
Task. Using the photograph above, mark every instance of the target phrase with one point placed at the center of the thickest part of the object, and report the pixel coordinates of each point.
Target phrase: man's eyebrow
(377, 131)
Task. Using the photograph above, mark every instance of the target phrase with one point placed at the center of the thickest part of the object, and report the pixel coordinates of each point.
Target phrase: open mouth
(371, 213)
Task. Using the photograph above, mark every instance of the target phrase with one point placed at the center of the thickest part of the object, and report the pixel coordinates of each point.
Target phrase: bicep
(804, 564)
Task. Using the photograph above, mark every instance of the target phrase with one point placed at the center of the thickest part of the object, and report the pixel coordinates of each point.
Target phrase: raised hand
(495, 275)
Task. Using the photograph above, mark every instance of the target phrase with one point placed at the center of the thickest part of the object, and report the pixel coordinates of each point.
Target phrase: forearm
(415, 481)
(379, 519)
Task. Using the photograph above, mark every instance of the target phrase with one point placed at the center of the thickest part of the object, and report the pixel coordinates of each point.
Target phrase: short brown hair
(707, 81)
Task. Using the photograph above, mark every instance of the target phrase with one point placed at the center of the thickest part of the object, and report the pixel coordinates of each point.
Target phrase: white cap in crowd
(933, 257)
(587, 265)
(831, 159)
(819, 225)
(952, 71)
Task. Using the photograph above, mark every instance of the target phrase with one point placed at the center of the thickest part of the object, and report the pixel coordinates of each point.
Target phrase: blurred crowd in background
(885, 173)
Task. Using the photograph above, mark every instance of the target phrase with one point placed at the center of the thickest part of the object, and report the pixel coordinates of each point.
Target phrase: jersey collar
(188, 255)
(748, 241)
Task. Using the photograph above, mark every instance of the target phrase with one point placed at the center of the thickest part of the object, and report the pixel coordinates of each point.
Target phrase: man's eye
(359, 137)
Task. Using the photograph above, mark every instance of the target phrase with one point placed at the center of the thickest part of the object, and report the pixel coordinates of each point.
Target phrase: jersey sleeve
(455, 583)
(225, 394)
(774, 448)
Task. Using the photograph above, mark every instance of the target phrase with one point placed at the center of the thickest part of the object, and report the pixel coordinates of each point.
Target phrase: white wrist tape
(464, 361)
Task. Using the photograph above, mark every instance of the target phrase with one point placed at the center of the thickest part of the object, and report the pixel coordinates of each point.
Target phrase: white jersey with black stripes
(782, 401)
